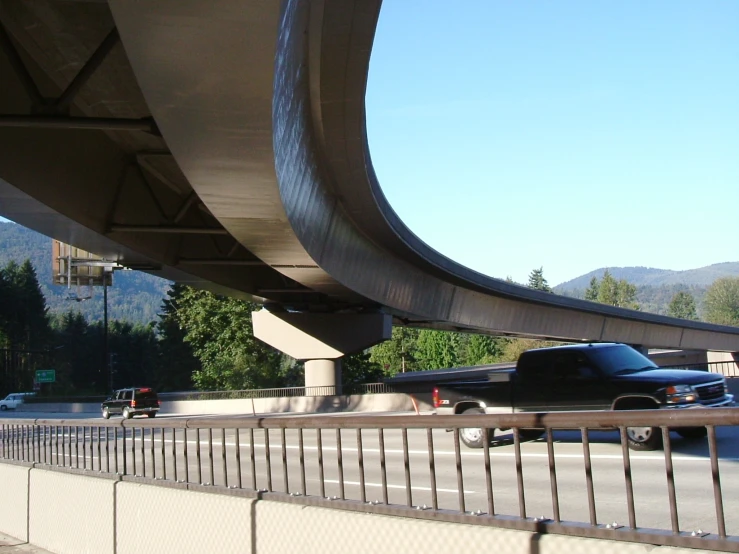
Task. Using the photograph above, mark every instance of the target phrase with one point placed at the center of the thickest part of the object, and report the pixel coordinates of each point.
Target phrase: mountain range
(135, 296)
(653, 277)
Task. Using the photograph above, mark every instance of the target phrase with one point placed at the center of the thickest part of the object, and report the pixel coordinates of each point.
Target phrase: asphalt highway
(692, 470)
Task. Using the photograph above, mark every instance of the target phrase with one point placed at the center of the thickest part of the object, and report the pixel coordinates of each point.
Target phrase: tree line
(204, 341)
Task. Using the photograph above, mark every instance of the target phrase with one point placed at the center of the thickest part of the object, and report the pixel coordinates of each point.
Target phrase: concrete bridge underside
(223, 144)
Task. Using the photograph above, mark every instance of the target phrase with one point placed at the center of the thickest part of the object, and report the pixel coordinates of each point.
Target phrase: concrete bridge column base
(321, 340)
(325, 374)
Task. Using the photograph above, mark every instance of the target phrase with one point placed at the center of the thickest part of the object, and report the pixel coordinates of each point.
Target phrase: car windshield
(145, 394)
(621, 360)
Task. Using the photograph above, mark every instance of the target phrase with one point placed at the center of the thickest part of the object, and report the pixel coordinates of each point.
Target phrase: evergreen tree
(619, 293)
(26, 329)
(682, 305)
(133, 353)
(608, 290)
(77, 360)
(537, 280)
(177, 363)
(591, 293)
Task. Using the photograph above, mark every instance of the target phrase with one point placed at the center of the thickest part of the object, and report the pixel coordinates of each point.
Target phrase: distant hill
(655, 288)
(135, 296)
(649, 276)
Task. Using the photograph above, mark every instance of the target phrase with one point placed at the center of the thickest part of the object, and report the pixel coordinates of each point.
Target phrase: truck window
(537, 366)
(620, 359)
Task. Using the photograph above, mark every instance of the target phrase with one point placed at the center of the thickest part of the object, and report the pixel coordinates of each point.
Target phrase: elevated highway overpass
(223, 145)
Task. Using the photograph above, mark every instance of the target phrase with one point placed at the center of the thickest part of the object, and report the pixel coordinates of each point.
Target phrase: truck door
(576, 384)
(531, 387)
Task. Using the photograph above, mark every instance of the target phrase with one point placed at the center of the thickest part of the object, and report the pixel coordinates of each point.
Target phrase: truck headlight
(677, 394)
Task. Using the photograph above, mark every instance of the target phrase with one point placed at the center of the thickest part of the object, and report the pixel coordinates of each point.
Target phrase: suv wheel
(106, 413)
(3, 407)
(127, 413)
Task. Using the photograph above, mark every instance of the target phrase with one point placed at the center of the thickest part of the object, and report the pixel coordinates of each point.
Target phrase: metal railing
(727, 369)
(285, 392)
(595, 483)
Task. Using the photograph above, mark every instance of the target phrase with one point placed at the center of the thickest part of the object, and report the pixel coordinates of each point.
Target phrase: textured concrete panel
(71, 514)
(160, 519)
(338, 532)
(14, 505)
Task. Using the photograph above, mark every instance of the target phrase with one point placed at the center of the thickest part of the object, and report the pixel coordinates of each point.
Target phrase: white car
(13, 400)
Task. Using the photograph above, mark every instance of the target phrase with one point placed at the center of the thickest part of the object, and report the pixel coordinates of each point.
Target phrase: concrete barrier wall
(392, 402)
(161, 519)
(72, 512)
(14, 500)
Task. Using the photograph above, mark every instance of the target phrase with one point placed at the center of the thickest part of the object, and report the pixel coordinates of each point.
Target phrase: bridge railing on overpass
(419, 470)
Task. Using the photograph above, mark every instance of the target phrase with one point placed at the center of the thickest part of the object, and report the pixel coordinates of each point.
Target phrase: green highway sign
(46, 375)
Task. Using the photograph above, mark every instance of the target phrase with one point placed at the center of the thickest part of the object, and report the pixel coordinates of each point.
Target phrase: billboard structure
(80, 270)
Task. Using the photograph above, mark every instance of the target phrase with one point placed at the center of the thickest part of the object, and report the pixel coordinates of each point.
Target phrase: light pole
(106, 360)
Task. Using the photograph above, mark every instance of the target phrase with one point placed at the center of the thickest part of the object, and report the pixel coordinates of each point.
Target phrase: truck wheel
(530, 434)
(3, 407)
(106, 413)
(473, 437)
(126, 413)
(692, 432)
(644, 438)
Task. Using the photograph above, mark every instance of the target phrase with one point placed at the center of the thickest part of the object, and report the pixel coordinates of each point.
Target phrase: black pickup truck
(605, 376)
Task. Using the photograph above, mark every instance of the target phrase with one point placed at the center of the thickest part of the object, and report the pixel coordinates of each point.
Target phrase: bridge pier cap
(321, 339)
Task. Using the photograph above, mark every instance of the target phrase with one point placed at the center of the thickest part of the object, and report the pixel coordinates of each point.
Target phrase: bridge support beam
(321, 340)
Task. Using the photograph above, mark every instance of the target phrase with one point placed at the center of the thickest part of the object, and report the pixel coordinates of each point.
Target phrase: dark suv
(131, 402)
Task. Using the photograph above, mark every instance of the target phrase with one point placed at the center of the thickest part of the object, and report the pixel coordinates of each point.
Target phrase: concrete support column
(321, 340)
(322, 373)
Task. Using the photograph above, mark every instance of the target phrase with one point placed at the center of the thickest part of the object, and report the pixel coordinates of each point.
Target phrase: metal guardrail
(285, 392)
(727, 369)
(362, 388)
(249, 454)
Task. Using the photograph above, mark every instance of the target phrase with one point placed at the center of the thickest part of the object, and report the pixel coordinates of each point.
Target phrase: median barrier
(386, 402)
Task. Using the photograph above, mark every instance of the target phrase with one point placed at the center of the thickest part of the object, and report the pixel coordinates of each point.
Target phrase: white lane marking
(476, 454)
(645, 457)
(357, 483)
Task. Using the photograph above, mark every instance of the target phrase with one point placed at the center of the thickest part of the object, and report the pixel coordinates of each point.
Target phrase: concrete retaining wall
(299, 404)
(14, 503)
(67, 511)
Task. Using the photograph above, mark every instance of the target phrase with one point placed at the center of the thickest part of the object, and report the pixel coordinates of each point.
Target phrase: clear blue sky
(570, 135)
